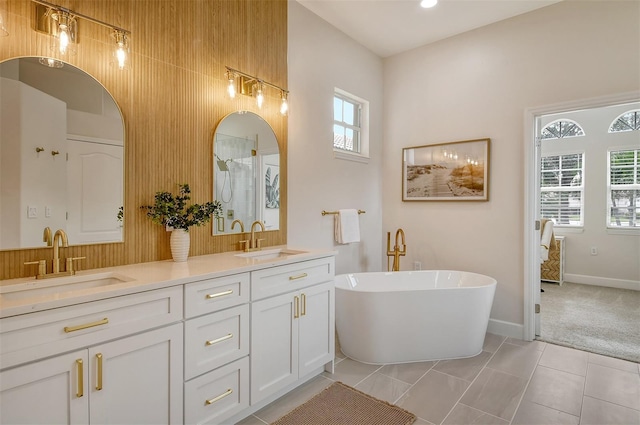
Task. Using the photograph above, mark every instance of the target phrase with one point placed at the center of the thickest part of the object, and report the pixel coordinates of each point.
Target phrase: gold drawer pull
(80, 391)
(219, 294)
(300, 276)
(303, 298)
(215, 341)
(220, 397)
(99, 380)
(296, 307)
(69, 329)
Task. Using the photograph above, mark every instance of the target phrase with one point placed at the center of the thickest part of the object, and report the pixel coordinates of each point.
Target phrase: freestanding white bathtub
(412, 316)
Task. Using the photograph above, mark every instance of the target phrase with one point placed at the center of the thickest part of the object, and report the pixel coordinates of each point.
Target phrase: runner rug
(340, 404)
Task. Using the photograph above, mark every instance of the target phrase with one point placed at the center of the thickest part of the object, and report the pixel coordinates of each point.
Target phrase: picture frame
(453, 171)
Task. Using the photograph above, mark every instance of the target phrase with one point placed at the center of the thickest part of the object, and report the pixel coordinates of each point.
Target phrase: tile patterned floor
(510, 382)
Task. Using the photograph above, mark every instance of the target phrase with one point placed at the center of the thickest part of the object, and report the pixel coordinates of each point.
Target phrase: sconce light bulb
(121, 55)
(259, 98)
(63, 40)
(232, 88)
(284, 107)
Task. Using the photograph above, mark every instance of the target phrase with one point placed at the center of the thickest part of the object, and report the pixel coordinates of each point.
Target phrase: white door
(317, 327)
(139, 379)
(274, 344)
(536, 250)
(53, 391)
(94, 191)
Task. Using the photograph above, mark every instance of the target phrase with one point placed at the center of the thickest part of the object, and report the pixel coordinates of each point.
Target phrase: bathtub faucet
(396, 253)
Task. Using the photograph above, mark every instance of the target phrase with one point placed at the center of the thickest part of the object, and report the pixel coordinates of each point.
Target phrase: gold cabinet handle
(68, 329)
(80, 391)
(304, 304)
(219, 294)
(220, 397)
(296, 307)
(99, 380)
(300, 276)
(217, 340)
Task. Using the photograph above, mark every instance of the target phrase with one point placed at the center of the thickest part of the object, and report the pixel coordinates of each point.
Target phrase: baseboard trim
(602, 281)
(508, 329)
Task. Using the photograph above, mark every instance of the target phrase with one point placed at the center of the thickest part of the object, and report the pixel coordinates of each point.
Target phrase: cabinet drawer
(215, 339)
(281, 279)
(37, 335)
(218, 395)
(208, 296)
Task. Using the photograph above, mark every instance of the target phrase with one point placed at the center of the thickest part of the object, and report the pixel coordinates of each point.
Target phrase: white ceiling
(388, 27)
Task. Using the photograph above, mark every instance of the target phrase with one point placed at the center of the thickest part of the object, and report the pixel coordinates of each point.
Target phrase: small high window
(623, 197)
(350, 126)
(629, 121)
(562, 128)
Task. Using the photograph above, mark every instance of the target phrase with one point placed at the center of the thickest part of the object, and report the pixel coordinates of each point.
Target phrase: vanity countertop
(141, 277)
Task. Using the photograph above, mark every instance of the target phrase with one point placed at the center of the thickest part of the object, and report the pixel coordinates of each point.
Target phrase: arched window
(562, 128)
(629, 121)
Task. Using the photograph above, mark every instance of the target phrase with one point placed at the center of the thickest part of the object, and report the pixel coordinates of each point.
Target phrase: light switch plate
(32, 212)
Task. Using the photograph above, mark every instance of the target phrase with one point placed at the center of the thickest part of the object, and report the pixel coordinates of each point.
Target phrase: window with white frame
(562, 128)
(623, 189)
(562, 189)
(350, 124)
(629, 121)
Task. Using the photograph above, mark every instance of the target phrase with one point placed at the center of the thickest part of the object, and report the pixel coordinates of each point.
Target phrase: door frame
(531, 194)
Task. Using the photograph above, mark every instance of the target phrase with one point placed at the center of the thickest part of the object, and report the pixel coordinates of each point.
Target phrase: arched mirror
(61, 155)
(246, 172)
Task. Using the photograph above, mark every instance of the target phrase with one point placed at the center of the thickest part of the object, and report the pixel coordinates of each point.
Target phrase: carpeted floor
(592, 318)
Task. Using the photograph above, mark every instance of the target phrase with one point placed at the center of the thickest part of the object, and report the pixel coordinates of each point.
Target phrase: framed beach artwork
(455, 171)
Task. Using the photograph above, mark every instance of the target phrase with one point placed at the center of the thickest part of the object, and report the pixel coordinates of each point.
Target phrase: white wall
(321, 58)
(618, 250)
(477, 85)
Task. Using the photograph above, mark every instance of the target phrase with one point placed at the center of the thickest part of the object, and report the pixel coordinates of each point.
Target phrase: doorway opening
(566, 181)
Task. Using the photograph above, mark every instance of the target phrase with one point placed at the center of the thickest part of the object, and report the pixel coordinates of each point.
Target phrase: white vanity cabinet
(292, 324)
(216, 330)
(83, 363)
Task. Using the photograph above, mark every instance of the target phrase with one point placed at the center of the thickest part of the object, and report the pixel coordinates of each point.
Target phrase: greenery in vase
(172, 210)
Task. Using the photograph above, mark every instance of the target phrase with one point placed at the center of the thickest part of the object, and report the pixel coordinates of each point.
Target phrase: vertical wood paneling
(172, 99)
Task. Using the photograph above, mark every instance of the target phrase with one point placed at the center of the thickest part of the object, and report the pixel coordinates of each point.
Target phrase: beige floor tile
(351, 372)
(420, 421)
(293, 399)
(407, 372)
(515, 359)
(598, 412)
(538, 345)
(535, 414)
(613, 363)
(613, 385)
(556, 389)
(433, 396)
(466, 369)
(496, 393)
(565, 359)
(492, 342)
(383, 387)
(462, 414)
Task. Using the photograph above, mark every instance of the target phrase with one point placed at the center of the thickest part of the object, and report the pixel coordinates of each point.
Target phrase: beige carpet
(592, 318)
(340, 404)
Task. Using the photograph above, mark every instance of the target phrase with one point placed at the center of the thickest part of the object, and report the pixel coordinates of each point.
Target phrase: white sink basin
(270, 254)
(60, 287)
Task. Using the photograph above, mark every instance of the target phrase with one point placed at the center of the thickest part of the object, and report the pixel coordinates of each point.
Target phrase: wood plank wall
(172, 98)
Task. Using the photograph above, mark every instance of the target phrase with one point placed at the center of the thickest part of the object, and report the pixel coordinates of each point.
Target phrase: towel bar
(336, 212)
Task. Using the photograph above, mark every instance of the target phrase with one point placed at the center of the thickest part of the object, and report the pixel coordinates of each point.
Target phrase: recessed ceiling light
(428, 3)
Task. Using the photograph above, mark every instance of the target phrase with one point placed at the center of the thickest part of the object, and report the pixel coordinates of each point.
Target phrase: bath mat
(339, 404)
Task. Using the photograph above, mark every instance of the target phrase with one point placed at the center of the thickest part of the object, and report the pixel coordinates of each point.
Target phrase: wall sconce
(248, 85)
(62, 25)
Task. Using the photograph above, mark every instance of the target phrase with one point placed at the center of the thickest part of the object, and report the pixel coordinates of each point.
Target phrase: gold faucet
(57, 237)
(237, 220)
(254, 244)
(396, 253)
(46, 236)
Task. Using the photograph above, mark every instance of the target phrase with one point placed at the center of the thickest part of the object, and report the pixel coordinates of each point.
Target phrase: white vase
(180, 242)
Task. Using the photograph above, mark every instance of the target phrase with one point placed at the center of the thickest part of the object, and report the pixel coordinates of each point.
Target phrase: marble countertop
(140, 277)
